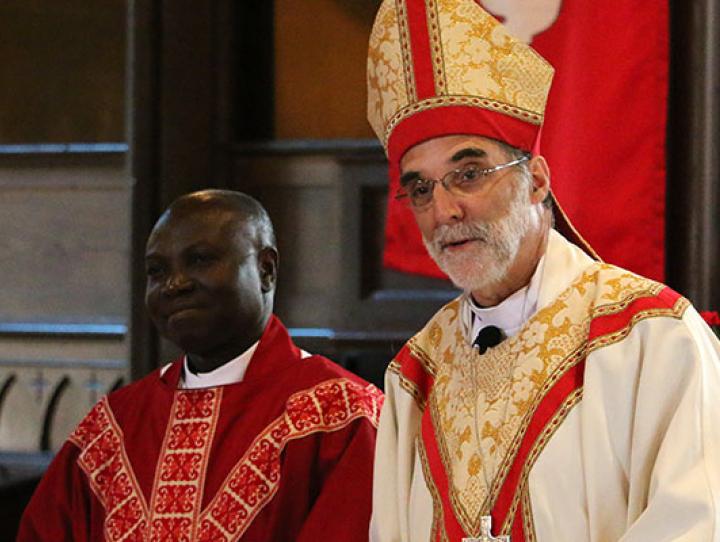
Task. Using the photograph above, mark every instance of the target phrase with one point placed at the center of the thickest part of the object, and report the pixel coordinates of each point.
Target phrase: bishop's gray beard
(484, 262)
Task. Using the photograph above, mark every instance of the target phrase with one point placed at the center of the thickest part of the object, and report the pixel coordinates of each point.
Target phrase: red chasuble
(284, 455)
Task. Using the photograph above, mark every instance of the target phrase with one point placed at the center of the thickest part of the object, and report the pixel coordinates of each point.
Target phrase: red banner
(604, 132)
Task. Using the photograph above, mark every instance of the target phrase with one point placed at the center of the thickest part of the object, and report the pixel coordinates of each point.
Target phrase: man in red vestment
(246, 437)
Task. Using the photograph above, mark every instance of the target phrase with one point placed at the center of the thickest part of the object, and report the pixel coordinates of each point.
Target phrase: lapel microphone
(488, 337)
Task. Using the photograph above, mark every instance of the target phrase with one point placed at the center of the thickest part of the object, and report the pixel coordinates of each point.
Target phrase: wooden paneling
(63, 71)
(65, 237)
(320, 59)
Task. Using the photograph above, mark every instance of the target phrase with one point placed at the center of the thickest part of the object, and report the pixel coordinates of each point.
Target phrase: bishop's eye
(468, 174)
(421, 192)
(419, 189)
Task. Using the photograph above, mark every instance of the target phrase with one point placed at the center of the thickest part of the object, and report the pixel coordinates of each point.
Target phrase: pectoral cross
(486, 533)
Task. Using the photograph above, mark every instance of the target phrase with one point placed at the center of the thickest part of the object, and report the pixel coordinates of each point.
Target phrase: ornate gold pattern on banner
(389, 66)
(481, 405)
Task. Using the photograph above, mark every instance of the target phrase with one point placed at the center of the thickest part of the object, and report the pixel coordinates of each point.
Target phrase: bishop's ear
(540, 172)
(268, 266)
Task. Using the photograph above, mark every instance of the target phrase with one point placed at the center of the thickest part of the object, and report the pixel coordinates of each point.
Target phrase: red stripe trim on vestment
(606, 324)
(534, 439)
(450, 524)
(420, 46)
(518, 529)
(414, 372)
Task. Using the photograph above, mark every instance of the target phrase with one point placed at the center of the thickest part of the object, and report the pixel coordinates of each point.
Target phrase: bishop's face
(205, 285)
(474, 237)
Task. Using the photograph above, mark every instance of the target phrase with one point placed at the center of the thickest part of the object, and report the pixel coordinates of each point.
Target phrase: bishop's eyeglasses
(460, 182)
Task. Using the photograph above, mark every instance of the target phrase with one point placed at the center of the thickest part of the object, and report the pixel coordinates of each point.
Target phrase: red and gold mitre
(447, 67)
(442, 67)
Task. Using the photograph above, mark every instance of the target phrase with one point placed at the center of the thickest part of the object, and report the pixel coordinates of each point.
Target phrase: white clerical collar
(231, 372)
(509, 315)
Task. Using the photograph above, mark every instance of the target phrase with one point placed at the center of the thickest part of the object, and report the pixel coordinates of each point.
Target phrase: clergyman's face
(204, 290)
(475, 237)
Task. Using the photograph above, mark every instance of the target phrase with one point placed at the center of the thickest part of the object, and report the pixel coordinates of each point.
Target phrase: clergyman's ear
(540, 173)
(268, 267)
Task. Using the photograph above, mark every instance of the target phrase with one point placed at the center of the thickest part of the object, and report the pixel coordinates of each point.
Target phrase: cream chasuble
(598, 421)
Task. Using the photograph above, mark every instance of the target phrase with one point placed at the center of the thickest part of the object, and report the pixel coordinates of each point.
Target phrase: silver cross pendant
(486, 533)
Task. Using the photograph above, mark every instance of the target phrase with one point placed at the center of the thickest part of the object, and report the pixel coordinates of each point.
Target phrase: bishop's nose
(445, 206)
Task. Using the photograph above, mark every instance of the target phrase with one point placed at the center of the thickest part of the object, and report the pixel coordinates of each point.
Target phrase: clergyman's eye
(200, 258)
(419, 189)
(421, 192)
(469, 174)
(153, 270)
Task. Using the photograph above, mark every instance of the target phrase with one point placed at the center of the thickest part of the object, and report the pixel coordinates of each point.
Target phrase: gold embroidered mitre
(442, 67)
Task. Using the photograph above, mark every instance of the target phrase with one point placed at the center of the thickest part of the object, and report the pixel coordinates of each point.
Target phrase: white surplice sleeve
(402, 505)
(638, 460)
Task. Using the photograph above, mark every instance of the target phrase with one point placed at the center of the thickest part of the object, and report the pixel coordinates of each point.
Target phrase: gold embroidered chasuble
(474, 426)
(481, 405)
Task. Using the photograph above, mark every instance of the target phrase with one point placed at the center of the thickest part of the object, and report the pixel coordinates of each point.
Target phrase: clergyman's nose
(445, 206)
(177, 283)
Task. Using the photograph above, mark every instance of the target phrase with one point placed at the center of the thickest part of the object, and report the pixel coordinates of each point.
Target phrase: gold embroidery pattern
(436, 47)
(388, 73)
(475, 63)
(104, 461)
(505, 386)
(180, 477)
(528, 523)
(329, 406)
(407, 57)
(421, 356)
(408, 385)
(428, 365)
(482, 59)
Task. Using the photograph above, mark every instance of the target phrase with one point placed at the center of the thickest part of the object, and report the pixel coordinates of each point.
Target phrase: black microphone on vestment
(488, 337)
